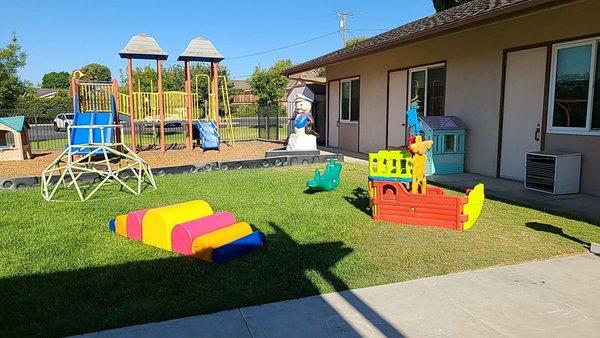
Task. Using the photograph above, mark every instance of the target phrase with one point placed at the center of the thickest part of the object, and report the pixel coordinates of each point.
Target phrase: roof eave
(497, 15)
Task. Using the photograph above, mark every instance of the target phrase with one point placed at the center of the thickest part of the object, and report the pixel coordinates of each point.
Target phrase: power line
(368, 29)
(283, 47)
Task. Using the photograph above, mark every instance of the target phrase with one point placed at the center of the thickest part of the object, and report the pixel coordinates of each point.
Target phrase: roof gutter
(494, 15)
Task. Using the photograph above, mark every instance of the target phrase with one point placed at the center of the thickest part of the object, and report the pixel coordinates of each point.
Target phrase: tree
(355, 40)
(269, 84)
(61, 102)
(55, 80)
(12, 57)
(441, 5)
(322, 72)
(95, 72)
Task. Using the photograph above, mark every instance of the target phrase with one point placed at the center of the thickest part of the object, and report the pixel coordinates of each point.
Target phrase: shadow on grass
(360, 200)
(556, 231)
(97, 298)
(310, 191)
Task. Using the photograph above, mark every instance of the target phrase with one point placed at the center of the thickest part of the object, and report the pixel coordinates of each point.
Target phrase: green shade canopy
(16, 123)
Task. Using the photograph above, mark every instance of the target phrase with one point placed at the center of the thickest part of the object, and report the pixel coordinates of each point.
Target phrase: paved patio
(557, 297)
(578, 205)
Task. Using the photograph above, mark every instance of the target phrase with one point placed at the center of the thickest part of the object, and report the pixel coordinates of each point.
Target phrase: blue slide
(209, 136)
(94, 119)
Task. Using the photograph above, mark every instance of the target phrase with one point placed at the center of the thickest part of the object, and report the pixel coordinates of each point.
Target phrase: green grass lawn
(62, 272)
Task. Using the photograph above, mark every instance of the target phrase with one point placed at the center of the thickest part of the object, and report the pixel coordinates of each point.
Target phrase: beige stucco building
(523, 75)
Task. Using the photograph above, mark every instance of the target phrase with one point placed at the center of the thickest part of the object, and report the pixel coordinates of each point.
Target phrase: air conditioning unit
(553, 172)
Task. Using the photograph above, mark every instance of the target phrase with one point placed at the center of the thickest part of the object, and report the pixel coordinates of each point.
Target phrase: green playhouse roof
(16, 123)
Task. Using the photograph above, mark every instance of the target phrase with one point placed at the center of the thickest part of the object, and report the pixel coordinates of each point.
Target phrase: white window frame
(587, 130)
(426, 69)
(349, 120)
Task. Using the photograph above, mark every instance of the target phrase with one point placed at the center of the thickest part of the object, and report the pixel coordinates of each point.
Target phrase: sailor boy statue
(304, 137)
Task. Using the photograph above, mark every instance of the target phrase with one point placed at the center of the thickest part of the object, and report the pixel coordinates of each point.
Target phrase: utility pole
(343, 25)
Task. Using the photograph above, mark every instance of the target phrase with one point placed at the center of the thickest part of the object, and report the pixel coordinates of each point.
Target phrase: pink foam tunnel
(183, 234)
(134, 224)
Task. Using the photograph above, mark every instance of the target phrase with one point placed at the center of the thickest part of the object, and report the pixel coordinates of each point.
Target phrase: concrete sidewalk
(557, 297)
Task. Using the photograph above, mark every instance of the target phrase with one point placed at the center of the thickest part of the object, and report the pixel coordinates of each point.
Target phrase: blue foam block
(111, 225)
(239, 247)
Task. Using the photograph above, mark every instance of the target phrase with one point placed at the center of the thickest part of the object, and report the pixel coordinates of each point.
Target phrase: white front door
(523, 104)
(333, 113)
(397, 108)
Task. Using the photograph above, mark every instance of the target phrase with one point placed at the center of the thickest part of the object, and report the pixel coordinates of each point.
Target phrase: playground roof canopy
(16, 123)
(201, 49)
(143, 46)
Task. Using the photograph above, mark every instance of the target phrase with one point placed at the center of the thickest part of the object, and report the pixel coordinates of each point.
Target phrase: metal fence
(250, 122)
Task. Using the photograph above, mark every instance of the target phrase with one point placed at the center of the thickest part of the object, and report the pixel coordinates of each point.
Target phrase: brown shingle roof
(456, 18)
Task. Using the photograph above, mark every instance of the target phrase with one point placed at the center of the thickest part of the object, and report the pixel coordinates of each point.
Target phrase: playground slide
(82, 135)
(209, 136)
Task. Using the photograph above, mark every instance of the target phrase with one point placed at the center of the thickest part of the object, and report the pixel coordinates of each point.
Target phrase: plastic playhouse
(448, 135)
(191, 229)
(329, 179)
(399, 192)
(14, 145)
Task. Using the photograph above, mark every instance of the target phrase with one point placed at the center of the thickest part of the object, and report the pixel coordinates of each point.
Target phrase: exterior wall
(348, 137)
(473, 81)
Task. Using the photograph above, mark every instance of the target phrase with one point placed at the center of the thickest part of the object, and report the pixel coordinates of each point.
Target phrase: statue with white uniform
(304, 137)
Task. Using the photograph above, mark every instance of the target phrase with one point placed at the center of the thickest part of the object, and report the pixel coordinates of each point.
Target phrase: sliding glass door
(427, 89)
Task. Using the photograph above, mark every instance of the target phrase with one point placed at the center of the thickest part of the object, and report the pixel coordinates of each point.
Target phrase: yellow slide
(472, 208)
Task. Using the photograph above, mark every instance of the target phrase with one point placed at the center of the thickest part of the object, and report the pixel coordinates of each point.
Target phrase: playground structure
(329, 179)
(399, 192)
(191, 229)
(95, 146)
(161, 107)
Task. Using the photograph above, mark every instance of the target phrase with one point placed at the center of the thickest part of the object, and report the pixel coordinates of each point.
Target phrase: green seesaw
(329, 179)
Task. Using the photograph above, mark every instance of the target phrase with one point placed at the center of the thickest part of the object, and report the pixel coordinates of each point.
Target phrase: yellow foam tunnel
(121, 225)
(203, 246)
(158, 223)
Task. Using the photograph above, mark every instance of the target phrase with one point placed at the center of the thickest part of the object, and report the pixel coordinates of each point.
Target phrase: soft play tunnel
(192, 229)
(158, 223)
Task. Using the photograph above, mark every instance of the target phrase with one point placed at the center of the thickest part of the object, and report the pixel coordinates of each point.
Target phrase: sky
(65, 35)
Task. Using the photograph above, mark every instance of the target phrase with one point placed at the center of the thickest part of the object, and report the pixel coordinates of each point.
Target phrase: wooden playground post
(131, 103)
(214, 88)
(161, 108)
(188, 103)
